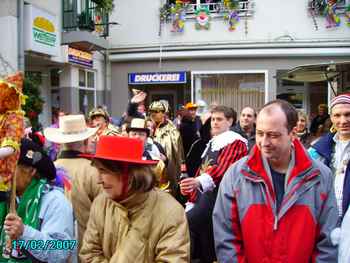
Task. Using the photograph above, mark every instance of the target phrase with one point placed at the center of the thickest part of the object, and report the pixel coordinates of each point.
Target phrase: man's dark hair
(227, 111)
(289, 111)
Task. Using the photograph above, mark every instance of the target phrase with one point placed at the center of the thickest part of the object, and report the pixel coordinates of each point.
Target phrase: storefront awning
(317, 72)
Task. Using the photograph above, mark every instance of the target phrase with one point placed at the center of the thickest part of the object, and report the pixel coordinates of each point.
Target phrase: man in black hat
(44, 217)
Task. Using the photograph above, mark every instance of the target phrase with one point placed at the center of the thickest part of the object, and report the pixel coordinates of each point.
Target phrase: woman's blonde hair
(302, 114)
(141, 177)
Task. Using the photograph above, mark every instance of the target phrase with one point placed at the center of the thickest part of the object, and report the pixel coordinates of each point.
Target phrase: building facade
(232, 56)
(50, 40)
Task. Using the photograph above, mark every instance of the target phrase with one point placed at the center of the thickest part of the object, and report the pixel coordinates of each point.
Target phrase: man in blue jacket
(334, 150)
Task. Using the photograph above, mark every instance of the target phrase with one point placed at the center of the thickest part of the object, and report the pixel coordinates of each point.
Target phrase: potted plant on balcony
(104, 5)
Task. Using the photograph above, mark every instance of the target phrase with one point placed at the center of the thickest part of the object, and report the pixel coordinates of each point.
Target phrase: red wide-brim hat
(121, 149)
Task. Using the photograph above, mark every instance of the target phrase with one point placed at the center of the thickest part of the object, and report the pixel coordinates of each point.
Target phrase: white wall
(272, 19)
(8, 45)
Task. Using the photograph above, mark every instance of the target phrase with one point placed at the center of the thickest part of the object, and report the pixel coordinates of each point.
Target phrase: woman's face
(111, 182)
(301, 124)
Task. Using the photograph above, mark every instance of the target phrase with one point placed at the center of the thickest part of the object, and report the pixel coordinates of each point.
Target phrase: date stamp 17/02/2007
(50, 244)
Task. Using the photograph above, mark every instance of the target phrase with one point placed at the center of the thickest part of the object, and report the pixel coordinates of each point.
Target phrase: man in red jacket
(277, 204)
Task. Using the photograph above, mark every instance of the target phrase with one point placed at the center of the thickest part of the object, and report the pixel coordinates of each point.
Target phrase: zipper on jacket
(249, 175)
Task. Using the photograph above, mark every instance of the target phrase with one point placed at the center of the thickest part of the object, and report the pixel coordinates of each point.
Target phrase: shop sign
(157, 78)
(40, 31)
(80, 57)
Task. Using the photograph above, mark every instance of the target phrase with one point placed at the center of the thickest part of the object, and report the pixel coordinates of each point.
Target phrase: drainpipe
(20, 38)
(107, 91)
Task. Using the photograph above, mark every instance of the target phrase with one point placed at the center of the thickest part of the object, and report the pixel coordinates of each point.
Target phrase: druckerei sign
(157, 78)
(40, 31)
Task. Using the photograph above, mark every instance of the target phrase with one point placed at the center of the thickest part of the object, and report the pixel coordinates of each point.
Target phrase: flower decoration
(333, 20)
(347, 15)
(202, 18)
(231, 14)
(178, 17)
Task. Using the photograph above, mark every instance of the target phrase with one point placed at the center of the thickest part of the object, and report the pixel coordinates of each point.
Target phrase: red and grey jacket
(247, 227)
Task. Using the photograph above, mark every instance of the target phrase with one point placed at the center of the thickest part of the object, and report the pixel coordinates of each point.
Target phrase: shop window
(236, 90)
(87, 91)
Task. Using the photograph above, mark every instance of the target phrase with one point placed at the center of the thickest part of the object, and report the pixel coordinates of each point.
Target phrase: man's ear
(33, 171)
(230, 121)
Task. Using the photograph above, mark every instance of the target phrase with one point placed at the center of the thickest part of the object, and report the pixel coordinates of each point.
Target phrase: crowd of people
(216, 187)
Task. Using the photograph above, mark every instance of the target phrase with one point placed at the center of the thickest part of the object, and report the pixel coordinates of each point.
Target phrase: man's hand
(139, 97)
(188, 185)
(13, 226)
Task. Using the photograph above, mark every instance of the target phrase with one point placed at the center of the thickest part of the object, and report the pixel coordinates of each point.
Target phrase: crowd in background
(208, 185)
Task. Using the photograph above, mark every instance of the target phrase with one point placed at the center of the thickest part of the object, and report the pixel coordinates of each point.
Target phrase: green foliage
(104, 5)
(34, 103)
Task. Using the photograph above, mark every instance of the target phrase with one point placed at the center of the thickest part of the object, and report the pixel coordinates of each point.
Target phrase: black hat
(31, 154)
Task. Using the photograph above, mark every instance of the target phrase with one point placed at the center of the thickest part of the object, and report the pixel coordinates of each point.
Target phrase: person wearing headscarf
(43, 216)
(132, 221)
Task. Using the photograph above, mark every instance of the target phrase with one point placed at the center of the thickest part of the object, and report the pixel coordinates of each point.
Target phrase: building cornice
(242, 50)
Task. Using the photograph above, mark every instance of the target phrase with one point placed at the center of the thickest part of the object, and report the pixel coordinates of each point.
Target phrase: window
(87, 91)
(235, 90)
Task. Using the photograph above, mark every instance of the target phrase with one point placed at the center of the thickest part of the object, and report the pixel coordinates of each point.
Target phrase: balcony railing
(245, 8)
(88, 19)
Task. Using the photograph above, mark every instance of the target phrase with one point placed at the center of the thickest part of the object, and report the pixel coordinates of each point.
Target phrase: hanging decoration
(231, 14)
(347, 15)
(333, 20)
(202, 18)
(326, 8)
(178, 17)
(164, 12)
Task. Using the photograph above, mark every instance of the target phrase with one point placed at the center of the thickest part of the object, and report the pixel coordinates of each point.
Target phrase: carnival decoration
(347, 15)
(231, 13)
(326, 8)
(202, 18)
(333, 20)
(178, 17)
(11, 128)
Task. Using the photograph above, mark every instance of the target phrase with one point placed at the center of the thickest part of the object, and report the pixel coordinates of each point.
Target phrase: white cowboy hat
(72, 128)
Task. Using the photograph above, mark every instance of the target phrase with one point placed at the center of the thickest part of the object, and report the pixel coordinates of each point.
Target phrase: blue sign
(80, 57)
(157, 78)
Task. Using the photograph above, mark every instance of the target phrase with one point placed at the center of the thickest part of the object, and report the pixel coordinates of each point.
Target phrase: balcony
(244, 9)
(84, 26)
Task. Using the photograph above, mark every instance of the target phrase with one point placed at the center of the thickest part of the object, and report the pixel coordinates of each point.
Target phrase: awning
(316, 72)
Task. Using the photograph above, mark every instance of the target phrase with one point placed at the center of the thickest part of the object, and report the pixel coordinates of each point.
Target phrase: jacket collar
(302, 163)
(324, 146)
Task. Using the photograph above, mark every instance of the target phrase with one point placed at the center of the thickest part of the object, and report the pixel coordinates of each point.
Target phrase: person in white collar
(225, 148)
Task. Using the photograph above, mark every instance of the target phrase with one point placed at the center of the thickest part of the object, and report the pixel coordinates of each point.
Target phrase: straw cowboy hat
(72, 128)
(122, 149)
(138, 124)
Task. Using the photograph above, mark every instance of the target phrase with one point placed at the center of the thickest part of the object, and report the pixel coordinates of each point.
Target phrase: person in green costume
(43, 222)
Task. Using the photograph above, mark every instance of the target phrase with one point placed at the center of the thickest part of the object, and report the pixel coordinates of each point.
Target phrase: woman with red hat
(132, 221)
